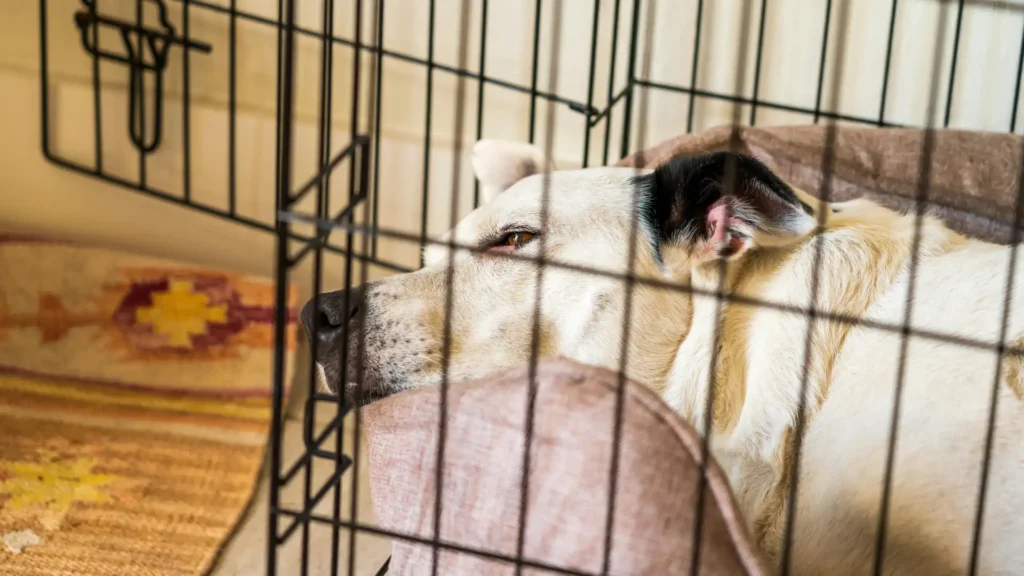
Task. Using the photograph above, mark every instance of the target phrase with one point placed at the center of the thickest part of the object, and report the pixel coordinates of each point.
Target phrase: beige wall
(37, 197)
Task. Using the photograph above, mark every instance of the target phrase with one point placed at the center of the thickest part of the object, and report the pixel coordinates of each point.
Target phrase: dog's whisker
(428, 359)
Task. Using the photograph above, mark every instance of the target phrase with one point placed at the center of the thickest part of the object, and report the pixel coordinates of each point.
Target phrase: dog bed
(134, 409)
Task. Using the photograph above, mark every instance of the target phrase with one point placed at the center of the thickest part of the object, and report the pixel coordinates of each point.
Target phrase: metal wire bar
(693, 68)
(97, 108)
(139, 82)
(289, 530)
(44, 85)
(845, 319)
(1016, 92)
(322, 185)
(340, 398)
(620, 389)
(378, 90)
(533, 71)
(339, 439)
(320, 240)
(923, 186)
(284, 143)
(762, 103)
(888, 64)
(1002, 5)
(828, 165)
(425, 204)
(309, 453)
(186, 106)
(463, 73)
(233, 109)
(364, 182)
(611, 83)
(952, 65)
(449, 296)
(480, 92)
(627, 115)
(822, 62)
(310, 503)
(89, 18)
(316, 182)
(538, 293)
(279, 201)
(590, 83)
(364, 170)
(729, 185)
(607, 112)
(757, 62)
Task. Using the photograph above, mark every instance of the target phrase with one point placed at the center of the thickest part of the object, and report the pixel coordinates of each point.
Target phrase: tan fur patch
(547, 339)
(653, 342)
(1012, 371)
(770, 525)
(747, 278)
(434, 320)
(731, 369)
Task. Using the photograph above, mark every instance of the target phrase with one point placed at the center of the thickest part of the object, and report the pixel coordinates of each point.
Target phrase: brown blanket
(973, 177)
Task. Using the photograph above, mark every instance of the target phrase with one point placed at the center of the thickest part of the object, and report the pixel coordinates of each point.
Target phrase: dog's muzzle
(333, 324)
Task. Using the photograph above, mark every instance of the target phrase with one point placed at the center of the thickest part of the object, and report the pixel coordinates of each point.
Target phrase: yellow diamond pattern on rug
(179, 313)
(50, 486)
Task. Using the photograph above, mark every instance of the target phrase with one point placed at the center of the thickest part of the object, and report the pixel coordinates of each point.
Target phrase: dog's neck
(707, 357)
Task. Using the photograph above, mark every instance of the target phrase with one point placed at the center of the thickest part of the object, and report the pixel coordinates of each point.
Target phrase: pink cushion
(567, 507)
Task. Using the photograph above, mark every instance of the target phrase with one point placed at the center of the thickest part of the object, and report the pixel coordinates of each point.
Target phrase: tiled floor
(245, 554)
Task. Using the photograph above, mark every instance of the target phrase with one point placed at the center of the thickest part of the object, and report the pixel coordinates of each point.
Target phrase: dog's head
(490, 304)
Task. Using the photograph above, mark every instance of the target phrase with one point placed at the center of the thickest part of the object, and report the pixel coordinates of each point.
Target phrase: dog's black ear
(720, 205)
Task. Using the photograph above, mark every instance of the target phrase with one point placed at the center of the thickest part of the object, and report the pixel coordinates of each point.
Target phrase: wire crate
(638, 71)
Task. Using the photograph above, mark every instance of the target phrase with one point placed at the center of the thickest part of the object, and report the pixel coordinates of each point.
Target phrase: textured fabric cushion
(659, 471)
(973, 175)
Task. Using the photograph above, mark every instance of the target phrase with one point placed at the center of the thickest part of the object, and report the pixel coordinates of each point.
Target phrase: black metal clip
(145, 51)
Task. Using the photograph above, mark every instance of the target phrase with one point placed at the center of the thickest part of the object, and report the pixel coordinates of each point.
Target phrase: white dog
(685, 219)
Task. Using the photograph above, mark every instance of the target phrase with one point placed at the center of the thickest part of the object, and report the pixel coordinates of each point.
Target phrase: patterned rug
(134, 409)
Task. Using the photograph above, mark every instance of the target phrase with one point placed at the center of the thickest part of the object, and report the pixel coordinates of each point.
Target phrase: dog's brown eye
(517, 239)
(511, 241)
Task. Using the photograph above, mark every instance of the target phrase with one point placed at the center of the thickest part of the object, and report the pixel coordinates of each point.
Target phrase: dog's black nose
(334, 325)
(328, 316)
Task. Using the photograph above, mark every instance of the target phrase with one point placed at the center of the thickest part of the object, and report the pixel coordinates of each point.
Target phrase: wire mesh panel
(390, 120)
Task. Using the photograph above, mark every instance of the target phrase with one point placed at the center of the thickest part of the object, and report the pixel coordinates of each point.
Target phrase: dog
(686, 233)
